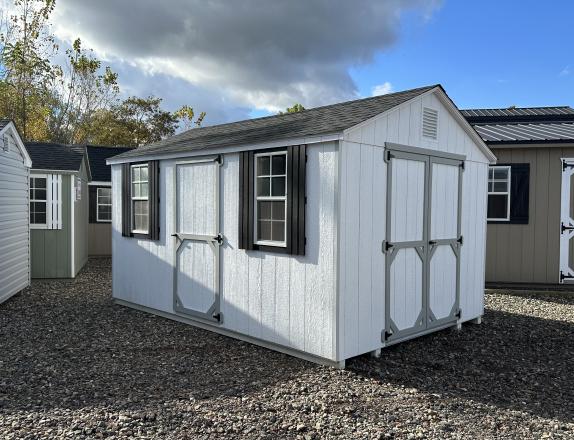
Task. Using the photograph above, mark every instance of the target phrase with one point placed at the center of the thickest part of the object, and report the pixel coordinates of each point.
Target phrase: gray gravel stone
(74, 365)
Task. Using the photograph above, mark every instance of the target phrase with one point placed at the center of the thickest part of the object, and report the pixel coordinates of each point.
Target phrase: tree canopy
(77, 102)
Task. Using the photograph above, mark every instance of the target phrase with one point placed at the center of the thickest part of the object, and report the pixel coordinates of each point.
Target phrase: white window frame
(283, 243)
(507, 192)
(103, 204)
(140, 198)
(46, 201)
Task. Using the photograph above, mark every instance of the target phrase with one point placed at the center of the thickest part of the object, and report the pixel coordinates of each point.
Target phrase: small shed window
(499, 193)
(140, 199)
(38, 200)
(104, 204)
(271, 198)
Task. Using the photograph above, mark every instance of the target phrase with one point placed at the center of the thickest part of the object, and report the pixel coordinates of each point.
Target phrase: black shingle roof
(97, 156)
(317, 121)
(523, 125)
(50, 156)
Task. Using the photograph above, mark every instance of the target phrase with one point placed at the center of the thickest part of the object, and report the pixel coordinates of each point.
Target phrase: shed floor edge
(230, 333)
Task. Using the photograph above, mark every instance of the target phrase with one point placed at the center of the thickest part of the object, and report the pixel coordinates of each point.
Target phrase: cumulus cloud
(382, 89)
(250, 54)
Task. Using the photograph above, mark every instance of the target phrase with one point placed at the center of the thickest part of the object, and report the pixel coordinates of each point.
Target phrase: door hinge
(219, 239)
(565, 277)
(460, 240)
(217, 317)
(566, 165)
(462, 165)
(388, 156)
(563, 227)
(387, 334)
(386, 247)
(458, 313)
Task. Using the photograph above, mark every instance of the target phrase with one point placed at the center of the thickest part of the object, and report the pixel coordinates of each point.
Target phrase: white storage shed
(14, 212)
(325, 234)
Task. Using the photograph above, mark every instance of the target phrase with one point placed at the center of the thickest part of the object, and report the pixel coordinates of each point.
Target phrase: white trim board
(230, 149)
(99, 183)
(10, 126)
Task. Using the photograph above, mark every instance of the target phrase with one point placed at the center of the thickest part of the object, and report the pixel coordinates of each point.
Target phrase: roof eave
(19, 142)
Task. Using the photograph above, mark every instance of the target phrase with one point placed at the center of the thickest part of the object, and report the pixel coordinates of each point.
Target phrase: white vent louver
(430, 123)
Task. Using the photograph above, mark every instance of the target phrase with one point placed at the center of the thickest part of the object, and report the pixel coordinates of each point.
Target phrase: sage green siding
(51, 248)
(530, 253)
(81, 223)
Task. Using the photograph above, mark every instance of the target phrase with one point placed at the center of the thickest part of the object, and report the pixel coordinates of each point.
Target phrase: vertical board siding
(530, 253)
(361, 312)
(287, 300)
(100, 239)
(51, 248)
(14, 235)
(81, 214)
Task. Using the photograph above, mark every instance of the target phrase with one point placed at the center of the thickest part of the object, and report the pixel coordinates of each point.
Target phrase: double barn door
(423, 242)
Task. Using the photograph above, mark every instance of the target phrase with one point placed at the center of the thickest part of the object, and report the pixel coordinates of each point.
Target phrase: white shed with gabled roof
(14, 212)
(324, 234)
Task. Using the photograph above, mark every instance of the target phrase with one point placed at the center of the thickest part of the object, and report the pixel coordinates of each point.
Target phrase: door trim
(213, 314)
(566, 273)
(424, 248)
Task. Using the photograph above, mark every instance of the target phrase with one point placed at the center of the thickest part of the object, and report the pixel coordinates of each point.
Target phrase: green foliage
(295, 109)
(77, 102)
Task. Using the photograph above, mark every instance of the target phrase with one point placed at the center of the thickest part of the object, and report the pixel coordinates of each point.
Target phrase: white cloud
(382, 89)
(566, 71)
(252, 54)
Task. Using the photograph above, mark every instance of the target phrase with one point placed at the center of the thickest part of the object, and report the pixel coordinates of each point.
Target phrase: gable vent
(430, 123)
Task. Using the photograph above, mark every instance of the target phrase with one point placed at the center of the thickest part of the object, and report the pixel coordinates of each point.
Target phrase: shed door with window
(196, 286)
(423, 243)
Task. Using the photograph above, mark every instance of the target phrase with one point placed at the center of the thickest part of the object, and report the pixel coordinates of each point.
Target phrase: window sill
(37, 226)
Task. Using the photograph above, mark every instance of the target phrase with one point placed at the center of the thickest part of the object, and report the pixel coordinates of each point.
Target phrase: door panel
(443, 283)
(196, 277)
(406, 206)
(566, 274)
(407, 285)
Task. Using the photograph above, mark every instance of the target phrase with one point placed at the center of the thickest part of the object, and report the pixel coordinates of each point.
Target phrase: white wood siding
(281, 299)
(362, 218)
(14, 232)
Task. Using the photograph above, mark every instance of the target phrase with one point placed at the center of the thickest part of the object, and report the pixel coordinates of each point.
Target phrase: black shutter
(246, 199)
(93, 200)
(153, 200)
(126, 200)
(519, 192)
(296, 200)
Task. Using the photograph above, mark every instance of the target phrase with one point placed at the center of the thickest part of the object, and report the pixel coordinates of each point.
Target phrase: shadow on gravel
(77, 349)
(511, 361)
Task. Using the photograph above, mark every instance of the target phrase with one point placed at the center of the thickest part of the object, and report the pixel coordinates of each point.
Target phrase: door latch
(432, 242)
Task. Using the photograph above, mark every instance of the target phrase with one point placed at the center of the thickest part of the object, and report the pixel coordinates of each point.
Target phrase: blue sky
(485, 54)
(256, 57)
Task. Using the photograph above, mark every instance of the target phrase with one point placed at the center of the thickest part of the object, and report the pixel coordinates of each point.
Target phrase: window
(104, 204)
(38, 200)
(499, 193)
(271, 198)
(140, 198)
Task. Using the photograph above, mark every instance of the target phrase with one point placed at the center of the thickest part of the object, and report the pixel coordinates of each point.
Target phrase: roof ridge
(516, 108)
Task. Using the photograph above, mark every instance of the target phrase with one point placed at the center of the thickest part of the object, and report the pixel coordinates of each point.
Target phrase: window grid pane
(140, 192)
(271, 195)
(498, 193)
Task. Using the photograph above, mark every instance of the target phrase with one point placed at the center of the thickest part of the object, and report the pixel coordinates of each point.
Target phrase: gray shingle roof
(523, 125)
(97, 156)
(51, 156)
(317, 121)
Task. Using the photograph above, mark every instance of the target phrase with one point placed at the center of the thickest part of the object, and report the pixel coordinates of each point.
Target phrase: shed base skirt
(265, 344)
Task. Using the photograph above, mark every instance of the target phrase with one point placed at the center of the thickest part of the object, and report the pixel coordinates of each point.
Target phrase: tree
(83, 90)
(295, 109)
(26, 73)
(186, 114)
(134, 122)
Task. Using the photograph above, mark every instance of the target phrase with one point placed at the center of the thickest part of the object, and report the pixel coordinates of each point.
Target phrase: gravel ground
(74, 365)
